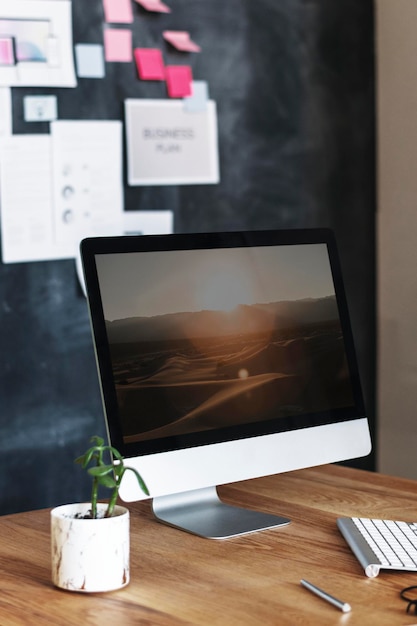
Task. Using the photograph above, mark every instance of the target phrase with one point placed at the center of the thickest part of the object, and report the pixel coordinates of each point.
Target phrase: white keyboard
(381, 544)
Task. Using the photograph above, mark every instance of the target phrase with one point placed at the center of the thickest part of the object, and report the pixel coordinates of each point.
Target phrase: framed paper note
(36, 43)
(168, 145)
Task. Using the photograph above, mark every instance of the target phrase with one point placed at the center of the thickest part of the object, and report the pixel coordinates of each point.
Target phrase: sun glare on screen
(222, 292)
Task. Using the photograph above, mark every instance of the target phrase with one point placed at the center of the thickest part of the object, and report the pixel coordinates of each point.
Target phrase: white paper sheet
(167, 145)
(148, 222)
(87, 178)
(26, 200)
(42, 34)
(57, 189)
(5, 111)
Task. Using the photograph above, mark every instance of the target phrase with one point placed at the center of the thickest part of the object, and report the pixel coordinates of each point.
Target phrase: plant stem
(94, 496)
(112, 503)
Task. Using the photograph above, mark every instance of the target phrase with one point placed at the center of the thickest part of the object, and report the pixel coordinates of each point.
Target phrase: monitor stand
(202, 513)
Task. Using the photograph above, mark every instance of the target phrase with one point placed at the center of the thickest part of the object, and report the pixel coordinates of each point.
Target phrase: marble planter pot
(89, 555)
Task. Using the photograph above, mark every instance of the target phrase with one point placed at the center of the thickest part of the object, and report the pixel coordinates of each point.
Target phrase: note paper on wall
(167, 145)
(41, 31)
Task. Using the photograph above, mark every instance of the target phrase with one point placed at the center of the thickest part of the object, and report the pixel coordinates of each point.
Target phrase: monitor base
(202, 513)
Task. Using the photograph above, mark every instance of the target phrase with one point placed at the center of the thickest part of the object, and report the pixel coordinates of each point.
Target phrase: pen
(343, 606)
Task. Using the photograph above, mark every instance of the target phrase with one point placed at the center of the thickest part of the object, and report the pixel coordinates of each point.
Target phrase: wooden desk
(177, 578)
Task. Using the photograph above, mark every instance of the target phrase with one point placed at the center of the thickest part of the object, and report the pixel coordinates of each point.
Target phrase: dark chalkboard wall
(294, 86)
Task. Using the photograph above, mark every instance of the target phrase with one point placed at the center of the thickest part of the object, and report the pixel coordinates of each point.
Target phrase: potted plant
(90, 541)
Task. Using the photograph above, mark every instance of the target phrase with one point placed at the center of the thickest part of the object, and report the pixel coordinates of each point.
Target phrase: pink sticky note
(118, 11)
(154, 5)
(180, 39)
(149, 63)
(6, 51)
(179, 79)
(118, 45)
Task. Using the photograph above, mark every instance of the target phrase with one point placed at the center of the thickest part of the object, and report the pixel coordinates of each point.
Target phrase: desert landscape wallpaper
(207, 339)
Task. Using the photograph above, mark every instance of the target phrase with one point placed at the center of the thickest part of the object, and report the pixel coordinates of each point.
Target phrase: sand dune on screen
(223, 404)
(189, 372)
(216, 389)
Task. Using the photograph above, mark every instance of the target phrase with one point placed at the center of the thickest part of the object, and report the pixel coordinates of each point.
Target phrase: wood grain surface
(178, 578)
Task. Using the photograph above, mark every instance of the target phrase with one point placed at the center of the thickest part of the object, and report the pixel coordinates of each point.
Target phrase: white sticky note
(40, 108)
(199, 98)
(90, 60)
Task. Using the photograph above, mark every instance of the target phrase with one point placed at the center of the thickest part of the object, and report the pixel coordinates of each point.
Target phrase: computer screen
(222, 357)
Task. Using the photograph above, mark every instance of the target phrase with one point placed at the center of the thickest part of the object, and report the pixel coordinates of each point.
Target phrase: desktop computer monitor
(222, 357)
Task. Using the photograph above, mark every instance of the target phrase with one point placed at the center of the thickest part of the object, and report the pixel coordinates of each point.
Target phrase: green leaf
(99, 441)
(116, 454)
(85, 459)
(100, 470)
(140, 480)
(119, 470)
(107, 481)
(106, 474)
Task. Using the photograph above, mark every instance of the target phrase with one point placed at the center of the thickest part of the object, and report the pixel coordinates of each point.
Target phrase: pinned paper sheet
(154, 5)
(90, 60)
(118, 11)
(27, 231)
(148, 222)
(149, 63)
(180, 39)
(179, 79)
(87, 177)
(5, 111)
(118, 45)
(166, 145)
(73, 189)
